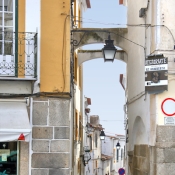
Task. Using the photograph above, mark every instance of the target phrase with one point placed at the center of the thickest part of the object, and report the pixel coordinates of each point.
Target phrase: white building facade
(149, 32)
(113, 155)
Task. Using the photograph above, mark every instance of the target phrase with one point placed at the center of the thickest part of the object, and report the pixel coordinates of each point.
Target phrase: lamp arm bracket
(75, 42)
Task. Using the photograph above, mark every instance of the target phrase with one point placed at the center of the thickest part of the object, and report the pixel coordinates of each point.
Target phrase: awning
(14, 122)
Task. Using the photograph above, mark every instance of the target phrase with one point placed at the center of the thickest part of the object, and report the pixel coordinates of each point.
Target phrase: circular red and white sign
(168, 106)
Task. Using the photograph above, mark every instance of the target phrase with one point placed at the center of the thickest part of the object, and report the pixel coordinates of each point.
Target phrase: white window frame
(3, 23)
(5, 57)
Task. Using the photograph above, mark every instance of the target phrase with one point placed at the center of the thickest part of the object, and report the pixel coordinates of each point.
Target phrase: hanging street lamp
(102, 135)
(109, 50)
(118, 145)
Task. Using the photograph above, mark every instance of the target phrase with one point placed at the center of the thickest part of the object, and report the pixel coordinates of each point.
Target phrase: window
(76, 125)
(121, 153)
(90, 141)
(78, 166)
(7, 37)
(117, 154)
(79, 18)
(80, 76)
(124, 151)
(75, 68)
(75, 9)
(18, 50)
(80, 128)
(8, 158)
(96, 140)
(114, 154)
(6, 27)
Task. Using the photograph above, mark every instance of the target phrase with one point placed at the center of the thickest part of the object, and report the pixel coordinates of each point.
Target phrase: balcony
(18, 55)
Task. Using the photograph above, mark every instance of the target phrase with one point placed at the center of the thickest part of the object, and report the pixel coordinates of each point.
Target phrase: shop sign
(4, 151)
(156, 73)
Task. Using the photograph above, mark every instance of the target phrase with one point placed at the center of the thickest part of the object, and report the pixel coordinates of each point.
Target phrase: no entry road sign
(121, 171)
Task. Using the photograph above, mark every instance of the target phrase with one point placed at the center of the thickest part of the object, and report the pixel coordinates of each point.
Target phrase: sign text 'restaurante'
(156, 61)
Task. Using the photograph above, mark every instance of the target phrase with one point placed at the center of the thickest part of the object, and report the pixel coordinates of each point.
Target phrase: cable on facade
(111, 120)
(130, 25)
(158, 50)
(138, 96)
(88, 31)
(63, 50)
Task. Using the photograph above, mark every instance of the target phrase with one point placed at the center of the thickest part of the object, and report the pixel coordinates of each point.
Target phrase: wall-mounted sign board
(156, 73)
(169, 120)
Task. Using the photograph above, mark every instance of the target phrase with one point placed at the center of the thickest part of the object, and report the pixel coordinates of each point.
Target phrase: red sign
(121, 171)
(168, 106)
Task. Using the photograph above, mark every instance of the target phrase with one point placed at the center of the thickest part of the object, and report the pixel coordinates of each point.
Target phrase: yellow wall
(55, 73)
(21, 28)
(21, 15)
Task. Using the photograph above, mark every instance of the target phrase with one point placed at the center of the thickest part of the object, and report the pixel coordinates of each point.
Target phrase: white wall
(109, 149)
(33, 24)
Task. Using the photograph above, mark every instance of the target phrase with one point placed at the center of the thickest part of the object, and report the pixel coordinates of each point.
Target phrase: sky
(101, 79)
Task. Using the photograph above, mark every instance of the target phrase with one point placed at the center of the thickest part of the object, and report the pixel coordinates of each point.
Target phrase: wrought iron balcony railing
(18, 54)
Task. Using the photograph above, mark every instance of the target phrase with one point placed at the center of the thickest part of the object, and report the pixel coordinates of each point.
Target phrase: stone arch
(139, 134)
(85, 36)
(86, 55)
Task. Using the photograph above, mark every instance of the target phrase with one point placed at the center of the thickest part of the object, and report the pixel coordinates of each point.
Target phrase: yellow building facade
(40, 113)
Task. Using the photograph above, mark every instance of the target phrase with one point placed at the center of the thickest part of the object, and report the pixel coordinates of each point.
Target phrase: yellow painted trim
(21, 28)
(80, 127)
(75, 68)
(80, 77)
(79, 18)
(75, 11)
(76, 125)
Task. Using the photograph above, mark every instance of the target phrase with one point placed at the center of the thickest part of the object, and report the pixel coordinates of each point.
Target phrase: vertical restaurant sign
(156, 73)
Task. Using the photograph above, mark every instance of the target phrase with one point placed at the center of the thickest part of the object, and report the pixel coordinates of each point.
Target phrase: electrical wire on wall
(135, 25)
(64, 51)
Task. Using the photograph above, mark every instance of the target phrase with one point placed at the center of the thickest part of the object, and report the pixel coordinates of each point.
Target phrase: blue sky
(101, 79)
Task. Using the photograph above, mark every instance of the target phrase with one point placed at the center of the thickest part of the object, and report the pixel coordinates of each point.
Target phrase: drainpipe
(71, 111)
(72, 106)
(30, 141)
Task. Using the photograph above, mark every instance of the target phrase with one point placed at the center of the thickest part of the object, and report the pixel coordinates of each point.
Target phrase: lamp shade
(109, 50)
(102, 135)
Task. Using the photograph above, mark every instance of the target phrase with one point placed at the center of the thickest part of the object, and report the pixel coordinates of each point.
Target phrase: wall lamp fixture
(109, 50)
(102, 135)
(118, 145)
(86, 156)
(89, 128)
